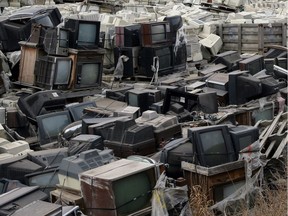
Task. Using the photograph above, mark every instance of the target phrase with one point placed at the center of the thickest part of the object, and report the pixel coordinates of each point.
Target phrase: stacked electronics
(73, 58)
(152, 47)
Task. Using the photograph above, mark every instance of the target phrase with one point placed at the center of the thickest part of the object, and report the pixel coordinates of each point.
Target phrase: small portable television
(84, 33)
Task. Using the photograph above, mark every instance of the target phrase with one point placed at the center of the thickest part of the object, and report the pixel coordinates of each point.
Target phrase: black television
(127, 36)
(131, 65)
(56, 41)
(41, 102)
(173, 153)
(243, 87)
(138, 98)
(213, 145)
(253, 64)
(53, 72)
(243, 136)
(84, 33)
(88, 73)
(77, 110)
(229, 58)
(51, 124)
(154, 33)
(148, 57)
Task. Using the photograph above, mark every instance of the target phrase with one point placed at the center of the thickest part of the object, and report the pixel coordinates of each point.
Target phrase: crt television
(119, 188)
(56, 41)
(76, 110)
(242, 87)
(53, 72)
(84, 33)
(127, 36)
(51, 124)
(253, 64)
(154, 33)
(213, 145)
(243, 136)
(88, 73)
(148, 56)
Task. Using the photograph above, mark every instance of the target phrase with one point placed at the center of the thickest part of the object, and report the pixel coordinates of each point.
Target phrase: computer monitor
(53, 72)
(243, 87)
(208, 102)
(84, 33)
(243, 136)
(229, 58)
(77, 110)
(51, 124)
(213, 145)
(154, 33)
(128, 187)
(71, 166)
(56, 41)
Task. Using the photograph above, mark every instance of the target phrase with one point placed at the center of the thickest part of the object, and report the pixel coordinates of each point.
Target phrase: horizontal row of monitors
(54, 72)
(84, 34)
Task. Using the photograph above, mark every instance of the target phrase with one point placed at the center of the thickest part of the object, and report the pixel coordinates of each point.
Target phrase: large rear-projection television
(154, 33)
(56, 41)
(119, 188)
(148, 57)
(84, 33)
(51, 124)
(53, 72)
(88, 73)
(213, 145)
(243, 87)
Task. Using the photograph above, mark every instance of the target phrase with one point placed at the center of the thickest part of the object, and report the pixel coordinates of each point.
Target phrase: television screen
(213, 145)
(64, 38)
(165, 60)
(89, 74)
(53, 72)
(86, 35)
(51, 124)
(158, 33)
